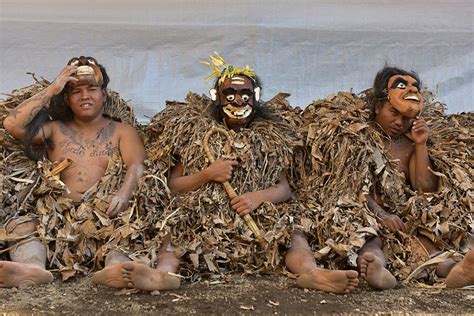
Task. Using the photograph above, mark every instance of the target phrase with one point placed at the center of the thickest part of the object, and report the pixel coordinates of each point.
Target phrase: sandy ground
(241, 295)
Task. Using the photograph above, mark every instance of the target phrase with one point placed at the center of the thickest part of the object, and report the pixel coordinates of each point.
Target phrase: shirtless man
(240, 93)
(89, 139)
(398, 112)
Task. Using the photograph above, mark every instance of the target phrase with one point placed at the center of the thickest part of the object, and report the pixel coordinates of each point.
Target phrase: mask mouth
(412, 98)
(237, 112)
(85, 70)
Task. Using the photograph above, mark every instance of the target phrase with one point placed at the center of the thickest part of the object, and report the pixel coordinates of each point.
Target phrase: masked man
(67, 118)
(398, 111)
(211, 226)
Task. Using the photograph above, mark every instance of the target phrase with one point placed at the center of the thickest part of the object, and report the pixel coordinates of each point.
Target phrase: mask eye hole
(245, 97)
(230, 97)
(401, 85)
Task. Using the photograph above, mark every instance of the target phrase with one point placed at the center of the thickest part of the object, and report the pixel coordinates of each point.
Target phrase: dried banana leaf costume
(79, 236)
(208, 234)
(347, 160)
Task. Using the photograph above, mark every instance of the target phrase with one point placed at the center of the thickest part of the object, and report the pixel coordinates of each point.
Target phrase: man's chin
(395, 133)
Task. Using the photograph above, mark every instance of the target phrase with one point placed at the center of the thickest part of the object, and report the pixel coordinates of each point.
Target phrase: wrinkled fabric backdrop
(152, 49)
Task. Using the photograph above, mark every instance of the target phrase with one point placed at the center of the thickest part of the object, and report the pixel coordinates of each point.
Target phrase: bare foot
(373, 271)
(15, 274)
(142, 277)
(111, 276)
(335, 281)
(463, 273)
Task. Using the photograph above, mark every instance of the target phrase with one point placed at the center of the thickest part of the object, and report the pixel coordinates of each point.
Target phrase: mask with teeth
(87, 72)
(404, 95)
(237, 97)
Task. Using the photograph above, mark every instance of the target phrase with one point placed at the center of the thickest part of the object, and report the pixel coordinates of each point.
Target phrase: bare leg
(300, 260)
(372, 263)
(142, 277)
(463, 273)
(28, 265)
(111, 275)
(443, 268)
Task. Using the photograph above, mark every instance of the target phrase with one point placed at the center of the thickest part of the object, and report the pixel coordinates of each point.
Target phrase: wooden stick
(228, 188)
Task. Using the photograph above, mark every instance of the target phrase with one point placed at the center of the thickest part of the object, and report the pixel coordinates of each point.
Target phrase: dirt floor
(241, 295)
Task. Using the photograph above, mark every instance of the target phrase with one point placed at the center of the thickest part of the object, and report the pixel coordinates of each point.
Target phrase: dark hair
(380, 89)
(58, 111)
(259, 110)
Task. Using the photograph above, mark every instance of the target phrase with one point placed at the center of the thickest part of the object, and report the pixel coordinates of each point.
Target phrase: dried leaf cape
(78, 236)
(207, 233)
(345, 159)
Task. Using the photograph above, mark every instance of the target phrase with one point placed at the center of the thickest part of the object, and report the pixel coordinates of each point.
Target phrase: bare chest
(401, 151)
(83, 146)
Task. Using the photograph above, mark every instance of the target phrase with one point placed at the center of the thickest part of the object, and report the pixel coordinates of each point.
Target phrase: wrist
(206, 175)
(51, 90)
(261, 197)
(421, 145)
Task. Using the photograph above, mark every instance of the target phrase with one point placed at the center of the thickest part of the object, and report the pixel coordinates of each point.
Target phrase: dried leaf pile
(78, 235)
(345, 159)
(208, 235)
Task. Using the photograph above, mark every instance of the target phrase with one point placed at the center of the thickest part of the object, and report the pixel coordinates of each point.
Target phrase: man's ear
(105, 94)
(65, 99)
(213, 93)
(257, 91)
(378, 106)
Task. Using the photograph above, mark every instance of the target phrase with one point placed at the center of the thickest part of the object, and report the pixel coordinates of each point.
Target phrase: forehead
(407, 78)
(72, 87)
(237, 83)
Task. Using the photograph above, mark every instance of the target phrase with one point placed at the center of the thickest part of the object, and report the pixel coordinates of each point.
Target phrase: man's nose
(85, 94)
(399, 120)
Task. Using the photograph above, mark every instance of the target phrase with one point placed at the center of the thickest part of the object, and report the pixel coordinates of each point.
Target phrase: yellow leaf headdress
(228, 71)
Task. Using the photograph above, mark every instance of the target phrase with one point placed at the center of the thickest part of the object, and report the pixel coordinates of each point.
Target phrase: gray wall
(308, 48)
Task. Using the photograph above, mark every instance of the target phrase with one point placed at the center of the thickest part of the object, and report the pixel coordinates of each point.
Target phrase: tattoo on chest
(76, 143)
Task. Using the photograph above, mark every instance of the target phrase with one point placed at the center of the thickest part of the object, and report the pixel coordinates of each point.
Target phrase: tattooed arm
(17, 120)
(133, 155)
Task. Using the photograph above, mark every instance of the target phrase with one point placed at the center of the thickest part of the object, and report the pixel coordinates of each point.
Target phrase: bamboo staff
(228, 188)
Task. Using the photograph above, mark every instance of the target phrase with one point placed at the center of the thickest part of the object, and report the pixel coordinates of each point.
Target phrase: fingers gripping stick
(228, 188)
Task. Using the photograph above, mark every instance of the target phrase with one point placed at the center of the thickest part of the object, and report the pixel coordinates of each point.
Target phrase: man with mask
(256, 148)
(398, 106)
(66, 118)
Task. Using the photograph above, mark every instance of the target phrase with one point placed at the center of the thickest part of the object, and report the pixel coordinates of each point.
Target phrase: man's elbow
(430, 186)
(173, 188)
(286, 192)
(10, 126)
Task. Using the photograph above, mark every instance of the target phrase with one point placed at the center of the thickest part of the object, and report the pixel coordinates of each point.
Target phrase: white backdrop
(152, 49)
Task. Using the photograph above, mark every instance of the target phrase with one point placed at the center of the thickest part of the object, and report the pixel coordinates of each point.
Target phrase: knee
(23, 228)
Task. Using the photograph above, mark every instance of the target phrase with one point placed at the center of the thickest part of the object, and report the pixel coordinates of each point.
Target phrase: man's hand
(63, 78)
(420, 131)
(246, 203)
(117, 205)
(220, 170)
(394, 223)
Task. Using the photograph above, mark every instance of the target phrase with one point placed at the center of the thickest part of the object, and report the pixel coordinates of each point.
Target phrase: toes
(351, 274)
(369, 257)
